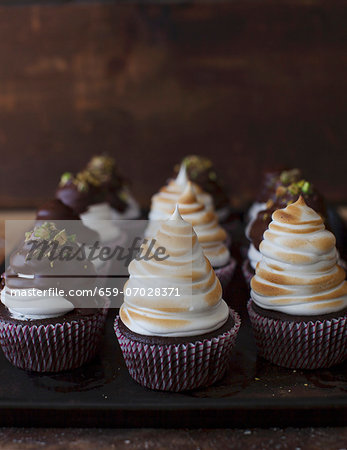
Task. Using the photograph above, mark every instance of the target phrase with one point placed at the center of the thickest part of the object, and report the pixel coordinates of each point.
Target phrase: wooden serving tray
(102, 394)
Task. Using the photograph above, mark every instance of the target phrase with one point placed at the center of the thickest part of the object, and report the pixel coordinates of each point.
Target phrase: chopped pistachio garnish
(67, 176)
(269, 204)
(200, 163)
(287, 176)
(301, 186)
(102, 163)
(60, 237)
(294, 189)
(306, 187)
(101, 168)
(50, 233)
(280, 191)
(123, 196)
(212, 176)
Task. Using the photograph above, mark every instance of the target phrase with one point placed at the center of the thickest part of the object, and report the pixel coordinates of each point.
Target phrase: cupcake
(280, 199)
(182, 339)
(45, 326)
(164, 202)
(202, 172)
(272, 179)
(298, 306)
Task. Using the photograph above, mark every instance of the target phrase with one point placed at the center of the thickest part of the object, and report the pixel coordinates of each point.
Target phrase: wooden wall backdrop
(248, 83)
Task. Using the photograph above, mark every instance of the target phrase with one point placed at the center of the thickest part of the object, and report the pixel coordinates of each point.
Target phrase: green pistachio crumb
(306, 187)
(67, 176)
(212, 176)
(28, 236)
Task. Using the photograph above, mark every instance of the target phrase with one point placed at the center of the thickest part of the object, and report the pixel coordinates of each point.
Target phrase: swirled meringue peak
(298, 273)
(163, 203)
(205, 223)
(195, 305)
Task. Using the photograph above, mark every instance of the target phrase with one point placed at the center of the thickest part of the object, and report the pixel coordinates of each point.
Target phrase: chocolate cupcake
(298, 306)
(41, 310)
(202, 172)
(180, 339)
(280, 199)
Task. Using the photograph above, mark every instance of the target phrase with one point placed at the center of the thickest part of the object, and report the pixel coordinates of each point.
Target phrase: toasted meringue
(299, 272)
(205, 223)
(197, 309)
(163, 203)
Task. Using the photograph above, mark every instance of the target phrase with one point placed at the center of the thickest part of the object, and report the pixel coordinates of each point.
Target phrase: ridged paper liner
(178, 367)
(226, 273)
(300, 345)
(53, 347)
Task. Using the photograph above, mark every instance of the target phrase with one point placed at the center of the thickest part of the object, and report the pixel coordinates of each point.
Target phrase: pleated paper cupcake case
(178, 367)
(300, 345)
(52, 348)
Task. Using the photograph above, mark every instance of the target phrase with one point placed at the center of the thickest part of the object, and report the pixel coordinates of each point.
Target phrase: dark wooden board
(102, 394)
(250, 84)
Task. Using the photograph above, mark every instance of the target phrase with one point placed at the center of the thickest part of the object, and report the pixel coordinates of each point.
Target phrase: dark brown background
(250, 84)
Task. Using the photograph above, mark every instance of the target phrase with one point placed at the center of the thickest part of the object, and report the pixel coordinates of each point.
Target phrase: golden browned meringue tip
(294, 214)
(188, 195)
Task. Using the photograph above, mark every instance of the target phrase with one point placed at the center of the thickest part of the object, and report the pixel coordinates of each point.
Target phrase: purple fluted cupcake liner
(300, 345)
(247, 271)
(226, 273)
(178, 367)
(53, 347)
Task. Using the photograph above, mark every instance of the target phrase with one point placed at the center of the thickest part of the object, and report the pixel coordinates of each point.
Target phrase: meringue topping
(205, 223)
(163, 203)
(197, 309)
(298, 273)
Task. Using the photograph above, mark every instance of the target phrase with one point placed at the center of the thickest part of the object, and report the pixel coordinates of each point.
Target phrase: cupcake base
(226, 272)
(61, 345)
(299, 344)
(182, 364)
